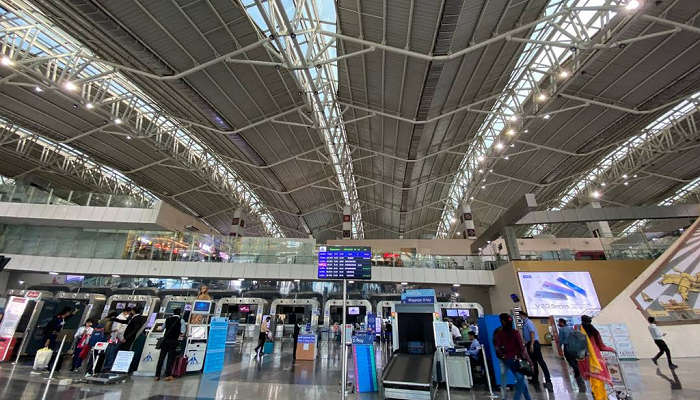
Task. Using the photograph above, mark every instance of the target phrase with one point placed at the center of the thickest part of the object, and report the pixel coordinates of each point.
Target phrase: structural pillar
(599, 228)
(511, 242)
(467, 220)
(347, 223)
(237, 224)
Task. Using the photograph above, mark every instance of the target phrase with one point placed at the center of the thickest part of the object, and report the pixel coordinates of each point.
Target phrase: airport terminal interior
(349, 199)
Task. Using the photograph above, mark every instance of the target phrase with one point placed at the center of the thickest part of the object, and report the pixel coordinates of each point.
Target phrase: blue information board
(345, 262)
(216, 345)
(418, 296)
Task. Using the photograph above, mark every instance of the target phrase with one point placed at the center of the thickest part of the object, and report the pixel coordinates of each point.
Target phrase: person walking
(593, 367)
(510, 350)
(532, 343)
(566, 333)
(658, 337)
(262, 338)
(295, 335)
(168, 346)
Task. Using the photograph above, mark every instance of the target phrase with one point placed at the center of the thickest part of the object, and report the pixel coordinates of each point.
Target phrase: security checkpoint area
(350, 199)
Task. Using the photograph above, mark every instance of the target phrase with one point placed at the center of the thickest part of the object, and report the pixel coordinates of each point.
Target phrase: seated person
(474, 348)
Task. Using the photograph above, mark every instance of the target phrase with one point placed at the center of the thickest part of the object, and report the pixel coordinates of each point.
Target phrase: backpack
(576, 345)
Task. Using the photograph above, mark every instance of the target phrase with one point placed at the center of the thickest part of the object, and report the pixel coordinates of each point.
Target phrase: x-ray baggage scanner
(197, 335)
(357, 311)
(149, 356)
(306, 309)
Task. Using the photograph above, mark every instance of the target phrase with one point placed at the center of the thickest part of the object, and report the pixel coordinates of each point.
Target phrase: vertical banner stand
(344, 380)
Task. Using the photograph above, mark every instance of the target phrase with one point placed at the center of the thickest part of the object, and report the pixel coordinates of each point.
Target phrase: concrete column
(467, 221)
(237, 223)
(599, 228)
(511, 242)
(347, 223)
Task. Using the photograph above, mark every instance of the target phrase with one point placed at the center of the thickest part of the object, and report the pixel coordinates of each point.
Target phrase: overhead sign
(418, 296)
(345, 262)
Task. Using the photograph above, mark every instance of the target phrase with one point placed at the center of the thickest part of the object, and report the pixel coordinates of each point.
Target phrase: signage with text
(345, 262)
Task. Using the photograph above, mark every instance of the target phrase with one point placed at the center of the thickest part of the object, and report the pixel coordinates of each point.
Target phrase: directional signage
(345, 262)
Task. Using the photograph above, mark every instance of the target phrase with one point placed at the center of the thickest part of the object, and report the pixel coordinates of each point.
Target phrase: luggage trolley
(619, 387)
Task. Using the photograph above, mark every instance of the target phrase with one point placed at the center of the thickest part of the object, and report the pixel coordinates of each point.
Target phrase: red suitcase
(179, 367)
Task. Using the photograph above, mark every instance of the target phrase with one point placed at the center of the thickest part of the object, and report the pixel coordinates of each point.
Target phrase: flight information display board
(345, 262)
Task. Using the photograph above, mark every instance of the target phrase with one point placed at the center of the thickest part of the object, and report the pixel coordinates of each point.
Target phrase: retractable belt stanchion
(58, 357)
(488, 374)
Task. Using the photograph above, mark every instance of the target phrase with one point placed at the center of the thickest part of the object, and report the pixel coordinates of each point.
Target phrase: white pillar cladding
(467, 221)
(599, 228)
(237, 223)
(347, 223)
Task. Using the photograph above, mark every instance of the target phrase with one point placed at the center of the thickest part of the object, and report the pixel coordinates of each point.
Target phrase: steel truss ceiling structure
(399, 109)
(60, 161)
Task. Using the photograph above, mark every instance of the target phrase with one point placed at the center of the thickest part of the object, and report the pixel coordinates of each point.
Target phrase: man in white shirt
(456, 334)
(658, 337)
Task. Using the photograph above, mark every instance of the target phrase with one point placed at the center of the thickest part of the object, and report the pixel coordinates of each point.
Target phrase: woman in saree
(593, 367)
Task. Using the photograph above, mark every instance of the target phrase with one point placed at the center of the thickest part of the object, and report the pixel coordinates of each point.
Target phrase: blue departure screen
(345, 262)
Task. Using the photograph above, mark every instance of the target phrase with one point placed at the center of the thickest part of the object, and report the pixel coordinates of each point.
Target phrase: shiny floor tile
(278, 377)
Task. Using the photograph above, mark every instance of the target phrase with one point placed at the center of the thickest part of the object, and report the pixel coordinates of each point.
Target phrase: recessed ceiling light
(459, 233)
(626, 183)
(471, 198)
(526, 130)
(456, 285)
(6, 61)
(351, 281)
(563, 74)
(297, 280)
(117, 121)
(115, 276)
(542, 96)
(184, 278)
(506, 158)
(128, 137)
(547, 116)
(624, 176)
(595, 194)
(89, 106)
(499, 146)
(634, 176)
(483, 186)
(404, 283)
(53, 273)
(38, 89)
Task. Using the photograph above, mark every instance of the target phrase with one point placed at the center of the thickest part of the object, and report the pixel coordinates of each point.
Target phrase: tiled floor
(277, 377)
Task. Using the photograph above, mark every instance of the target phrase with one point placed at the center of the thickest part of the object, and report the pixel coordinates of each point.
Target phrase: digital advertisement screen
(201, 306)
(353, 310)
(451, 312)
(558, 293)
(244, 308)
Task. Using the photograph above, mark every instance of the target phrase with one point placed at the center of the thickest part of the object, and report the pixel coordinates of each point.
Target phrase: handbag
(523, 366)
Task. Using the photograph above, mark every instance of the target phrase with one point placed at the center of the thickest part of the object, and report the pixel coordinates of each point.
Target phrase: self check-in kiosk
(246, 311)
(22, 320)
(118, 302)
(149, 355)
(356, 311)
(171, 303)
(197, 335)
(281, 311)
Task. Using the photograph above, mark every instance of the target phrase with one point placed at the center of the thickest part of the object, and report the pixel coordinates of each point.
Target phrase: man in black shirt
(51, 331)
(295, 335)
(168, 346)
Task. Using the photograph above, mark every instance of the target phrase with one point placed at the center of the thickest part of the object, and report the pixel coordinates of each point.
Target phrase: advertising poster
(672, 293)
(13, 313)
(558, 293)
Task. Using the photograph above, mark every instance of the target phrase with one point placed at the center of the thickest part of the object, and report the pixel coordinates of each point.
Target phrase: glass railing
(20, 193)
(198, 247)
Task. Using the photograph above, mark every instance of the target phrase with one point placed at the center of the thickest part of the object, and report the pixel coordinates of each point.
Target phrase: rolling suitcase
(269, 348)
(179, 366)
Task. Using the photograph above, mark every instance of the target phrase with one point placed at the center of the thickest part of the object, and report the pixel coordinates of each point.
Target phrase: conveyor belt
(410, 370)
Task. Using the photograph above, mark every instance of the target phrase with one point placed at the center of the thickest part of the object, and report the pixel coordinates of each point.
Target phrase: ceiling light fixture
(128, 137)
(602, 184)
(115, 276)
(634, 176)
(526, 130)
(459, 233)
(512, 145)
(456, 285)
(513, 118)
(626, 183)
(595, 194)
(70, 86)
(624, 176)
(632, 5)
(6, 61)
(184, 278)
(89, 106)
(471, 198)
(38, 89)
(483, 186)
(506, 158)
(542, 97)
(510, 132)
(499, 146)
(53, 273)
(117, 121)
(547, 116)
(480, 158)
(563, 74)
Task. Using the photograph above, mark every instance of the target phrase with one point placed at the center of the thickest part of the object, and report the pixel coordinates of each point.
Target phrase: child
(98, 335)
(81, 337)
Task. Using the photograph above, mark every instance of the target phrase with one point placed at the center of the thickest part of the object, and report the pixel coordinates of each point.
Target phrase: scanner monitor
(198, 331)
(244, 308)
(201, 307)
(353, 310)
(451, 312)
